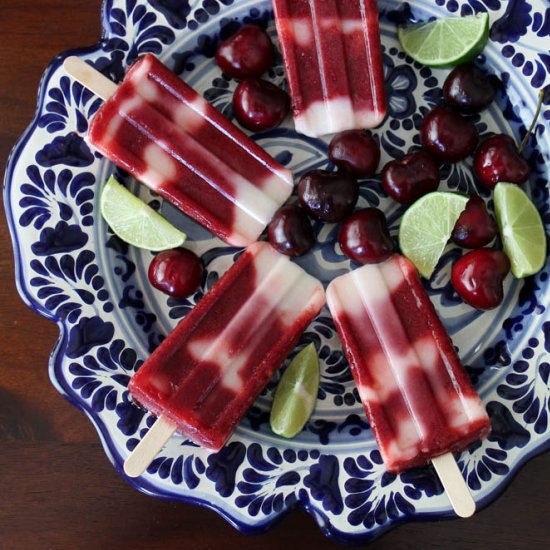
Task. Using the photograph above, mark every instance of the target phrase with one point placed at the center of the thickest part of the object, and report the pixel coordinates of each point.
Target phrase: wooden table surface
(58, 488)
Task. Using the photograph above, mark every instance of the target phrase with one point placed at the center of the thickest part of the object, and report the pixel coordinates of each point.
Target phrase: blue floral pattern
(45, 196)
(376, 496)
(103, 377)
(66, 283)
(135, 30)
(268, 485)
(71, 268)
(59, 109)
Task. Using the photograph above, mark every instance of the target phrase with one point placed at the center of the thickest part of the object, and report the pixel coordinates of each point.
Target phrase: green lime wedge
(446, 42)
(521, 229)
(296, 394)
(426, 228)
(134, 221)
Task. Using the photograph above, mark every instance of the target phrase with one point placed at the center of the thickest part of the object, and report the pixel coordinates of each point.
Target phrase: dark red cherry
(355, 151)
(478, 275)
(468, 90)
(497, 159)
(407, 179)
(248, 52)
(177, 272)
(260, 105)
(364, 237)
(447, 135)
(290, 231)
(328, 196)
(475, 227)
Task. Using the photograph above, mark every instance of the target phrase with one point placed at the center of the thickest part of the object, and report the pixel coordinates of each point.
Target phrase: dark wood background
(57, 488)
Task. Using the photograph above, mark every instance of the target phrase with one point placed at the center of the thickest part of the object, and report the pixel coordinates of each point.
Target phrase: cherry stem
(532, 127)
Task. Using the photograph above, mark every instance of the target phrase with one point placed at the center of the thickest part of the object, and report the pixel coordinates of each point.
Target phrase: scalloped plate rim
(141, 484)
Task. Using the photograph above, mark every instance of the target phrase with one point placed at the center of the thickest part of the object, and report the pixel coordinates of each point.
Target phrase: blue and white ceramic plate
(71, 269)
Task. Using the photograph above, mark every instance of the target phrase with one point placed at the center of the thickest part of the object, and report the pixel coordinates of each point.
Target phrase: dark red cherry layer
(447, 135)
(355, 151)
(497, 159)
(290, 231)
(177, 272)
(407, 179)
(328, 196)
(468, 89)
(478, 275)
(475, 227)
(364, 237)
(248, 52)
(260, 105)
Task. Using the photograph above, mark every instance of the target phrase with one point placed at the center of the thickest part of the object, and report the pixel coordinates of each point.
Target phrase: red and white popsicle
(333, 63)
(169, 137)
(418, 397)
(207, 373)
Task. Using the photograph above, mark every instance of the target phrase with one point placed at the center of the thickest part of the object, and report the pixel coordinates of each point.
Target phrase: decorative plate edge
(60, 346)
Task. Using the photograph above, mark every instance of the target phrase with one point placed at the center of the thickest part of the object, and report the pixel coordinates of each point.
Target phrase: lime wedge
(521, 229)
(446, 42)
(296, 394)
(426, 228)
(134, 221)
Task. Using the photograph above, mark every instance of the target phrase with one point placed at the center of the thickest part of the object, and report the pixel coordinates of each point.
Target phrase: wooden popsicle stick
(148, 448)
(454, 484)
(89, 77)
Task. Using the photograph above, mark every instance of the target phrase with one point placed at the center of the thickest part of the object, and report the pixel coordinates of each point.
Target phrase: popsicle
(170, 138)
(203, 378)
(416, 394)
(333, 63)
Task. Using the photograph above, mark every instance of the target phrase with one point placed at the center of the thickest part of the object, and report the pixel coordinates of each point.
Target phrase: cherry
(468, 90)
(447, 135)
(364, 237)
(497, 159)
(290, 231)
(248, 52)
(260, 105)
(475, 227)
(176, 272)
(407, 179)
(355, 151)
(328, 196)
(477, 277)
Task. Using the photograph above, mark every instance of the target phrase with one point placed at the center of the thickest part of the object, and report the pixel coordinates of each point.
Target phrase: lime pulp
(426, 228)
(445, 42)
(521, 230)
(134, 221)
